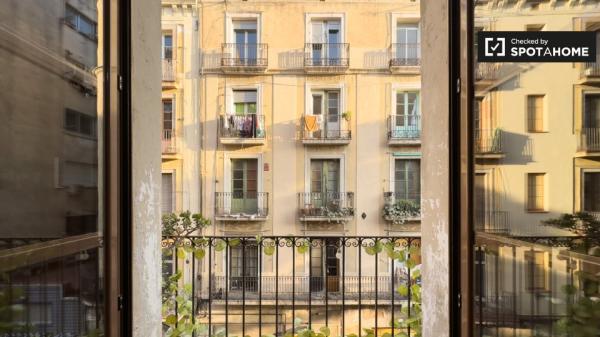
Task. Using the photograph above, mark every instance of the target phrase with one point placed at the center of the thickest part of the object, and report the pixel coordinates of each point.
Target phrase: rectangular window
(407, 109)
(407, 41)
(244, 102)
(535, 276)
(591, 192)
(167, 105)
(325, 177)
(535, 192)
(167, 46)
(246, 39)
(244, 186)
(167, 193)
(535, 113)
(407, 179)
(591, 110)
(80, 123)
(79, 22)
(79, 174)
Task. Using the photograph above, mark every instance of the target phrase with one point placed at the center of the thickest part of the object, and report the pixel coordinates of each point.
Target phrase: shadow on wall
(293, 59)
(376, 59)
(519, 151)
(211, 60)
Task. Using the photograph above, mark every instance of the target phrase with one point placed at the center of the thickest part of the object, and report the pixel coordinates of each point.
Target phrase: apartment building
(536, 157)
(180, 54)
(309, 125)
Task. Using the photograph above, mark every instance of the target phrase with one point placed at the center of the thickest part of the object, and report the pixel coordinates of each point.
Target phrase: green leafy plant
(347, 115)
(177, 297)
(401, 210)
(582, 224)
(8, 308)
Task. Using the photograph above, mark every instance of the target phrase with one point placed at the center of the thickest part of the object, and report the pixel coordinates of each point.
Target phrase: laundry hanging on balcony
(311, 123)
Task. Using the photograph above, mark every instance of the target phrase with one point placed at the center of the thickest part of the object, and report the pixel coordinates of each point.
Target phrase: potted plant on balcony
(347, 115)
(401, 210)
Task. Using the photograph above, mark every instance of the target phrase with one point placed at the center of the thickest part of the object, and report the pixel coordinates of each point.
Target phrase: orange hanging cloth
(310, 123)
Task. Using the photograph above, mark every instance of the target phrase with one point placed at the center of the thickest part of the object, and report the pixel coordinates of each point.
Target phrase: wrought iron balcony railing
(246, 206)
(248, 286)
(590, 69)
(284, 287)
(401, 206)
(488, 141)
(405, 55)
(404, 127)
(329, 205)
(325, 132)
(246, 127)
(244, 55)
(326, 55)
(169, 142)
(168, 70)
(588, 139)
(492, 221)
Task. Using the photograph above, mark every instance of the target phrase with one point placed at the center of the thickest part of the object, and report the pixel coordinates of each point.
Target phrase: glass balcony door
(326, 39)
(325, 267)
(407, 180)
(244, 267)
(591, 192)
(407, 42)
(407, 120)
(244, 198)
(326, 108)
(245, 35)
(325, 183)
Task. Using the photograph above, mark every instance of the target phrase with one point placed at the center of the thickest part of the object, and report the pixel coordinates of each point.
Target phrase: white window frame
(229, 103)
(230, 17)
(309, 17)
(173, 33)
(408, 86)
(404, 18)
(309, 88)
(393, 169)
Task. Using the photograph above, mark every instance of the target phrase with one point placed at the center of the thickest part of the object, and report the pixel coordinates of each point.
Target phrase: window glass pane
(52, 146)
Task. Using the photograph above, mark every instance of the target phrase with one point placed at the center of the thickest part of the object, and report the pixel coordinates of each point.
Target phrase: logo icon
(495, 46)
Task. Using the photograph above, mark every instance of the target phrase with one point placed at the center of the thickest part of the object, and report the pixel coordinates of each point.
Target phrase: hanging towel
(310, 123)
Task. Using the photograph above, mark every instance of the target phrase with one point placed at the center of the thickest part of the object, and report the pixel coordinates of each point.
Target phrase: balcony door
(168, 200)
(326, 39)
(168, 125)
(243, 122)
(325, 182)
(479, 201)
(245, 35)
(591, 118)
(407, 119)
(407, 42)
(244, 181)
(591, 192)
(243, 267)
(326, 108)
(325, 268)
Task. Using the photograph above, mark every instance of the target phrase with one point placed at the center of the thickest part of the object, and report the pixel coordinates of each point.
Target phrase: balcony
(404, 130)
(326, 57)
(588, 140)
(169, 69)
(496, 222)
(240, 130)
(317, 206)
(405, 57)
(590, 70)
(286, 287)
(400, 207)
(488, 144)
(169, 144)
(244, 57)
(326, 133)
(241, 206)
